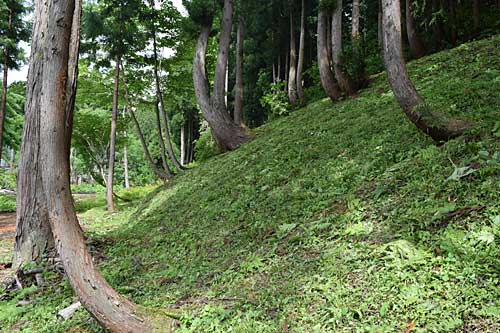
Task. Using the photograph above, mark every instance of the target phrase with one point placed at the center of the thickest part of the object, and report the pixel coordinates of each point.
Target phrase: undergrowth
(336, 218)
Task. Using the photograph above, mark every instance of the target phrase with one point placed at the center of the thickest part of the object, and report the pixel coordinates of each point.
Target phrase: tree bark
(292, 73)
(328, 82)
(162, 174)
(342, 78)
(227, 134)
(125, 167)
(3, 105)
(417, 47)
(238, 98)
(33, 238)
(58, 30)
(300, 66)
(112, 139)
(476, 9)
(452, 21)
(355, 20)
(183, 144)
(431, 123)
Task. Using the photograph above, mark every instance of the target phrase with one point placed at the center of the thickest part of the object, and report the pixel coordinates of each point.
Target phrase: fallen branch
(68, 312)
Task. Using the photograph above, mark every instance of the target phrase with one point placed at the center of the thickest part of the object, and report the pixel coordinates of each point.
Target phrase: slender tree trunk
(452, 21)
(328, 82)
(380, 30)
(112, 139)
(125, 167)
(58, 30)
(417, 47)
(183, 144)
(279, 69)
(3, 105)
(287, 66)
(162, 174)
(159, 93)
(342, 78)
(227, 134)
(329, 38)
(300, 66)
(292, 73)
(476, 9)
(355, 20)
(34, 238)
(238, 98)
(12, 159)
(437, 6)
(431, 123)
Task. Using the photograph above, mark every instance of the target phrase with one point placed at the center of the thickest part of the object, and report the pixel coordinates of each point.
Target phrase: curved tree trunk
(227, 134)
(300, 66)
(328, 82)
(417, 47)
(431, 123)
(112, 140)
(58, 30)
(238, 98)
(342, 78)
(292, 73)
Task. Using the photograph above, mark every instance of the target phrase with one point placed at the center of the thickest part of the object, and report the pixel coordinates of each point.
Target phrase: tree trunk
(379, 30)
(476, 9)
(238, 98)
(300, 66)
(3, 105)
(166, 173)
(125, 167)
(279, 69)
(328, 82)
(417, 47)
(452, 21)
(33, 234)
(159, 93)
(112, 140)
(12, 159)
(292, 73)
(355, 20)
(57, 26)
(183, 144)
(437, 6)
(431, 123)
(227, 134)
(343, 80)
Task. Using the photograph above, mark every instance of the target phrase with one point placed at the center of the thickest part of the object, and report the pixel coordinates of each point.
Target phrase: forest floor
(337, 218)
(7, 232)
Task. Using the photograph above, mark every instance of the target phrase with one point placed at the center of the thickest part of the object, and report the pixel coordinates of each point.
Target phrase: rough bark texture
(58, 32)
(355, 20)
(3, 105)
(417, 47)
(33, 234)
(431, 123)
(238, 97)
(328, 82)
(292, 72)
(342, 78)
(227, 134)
(300, 66)
(112, 140)
(162, 174)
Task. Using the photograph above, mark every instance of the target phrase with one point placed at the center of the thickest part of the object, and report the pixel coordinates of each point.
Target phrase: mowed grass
(338, 218)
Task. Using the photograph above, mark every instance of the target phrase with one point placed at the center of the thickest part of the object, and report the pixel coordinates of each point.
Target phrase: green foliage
(205, 146)
(7, 203)
(337, 218)
(275, 100)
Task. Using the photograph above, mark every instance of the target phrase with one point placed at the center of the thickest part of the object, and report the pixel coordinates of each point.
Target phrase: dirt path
(7, 233)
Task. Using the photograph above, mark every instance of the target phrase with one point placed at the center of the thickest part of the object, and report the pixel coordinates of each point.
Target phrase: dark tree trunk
(476, 10)
(57, 27)
(292, 73)
(417, 47)
(300, 66)
(3, 105)
(238, 98)
(328, 82)
(431, 123)
(112, 139)
(162, 174)
(437, 6)
(452, 21)
(227, 134)
(342, 78)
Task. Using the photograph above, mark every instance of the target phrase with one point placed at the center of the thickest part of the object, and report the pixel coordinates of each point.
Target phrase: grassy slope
(334, 219)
